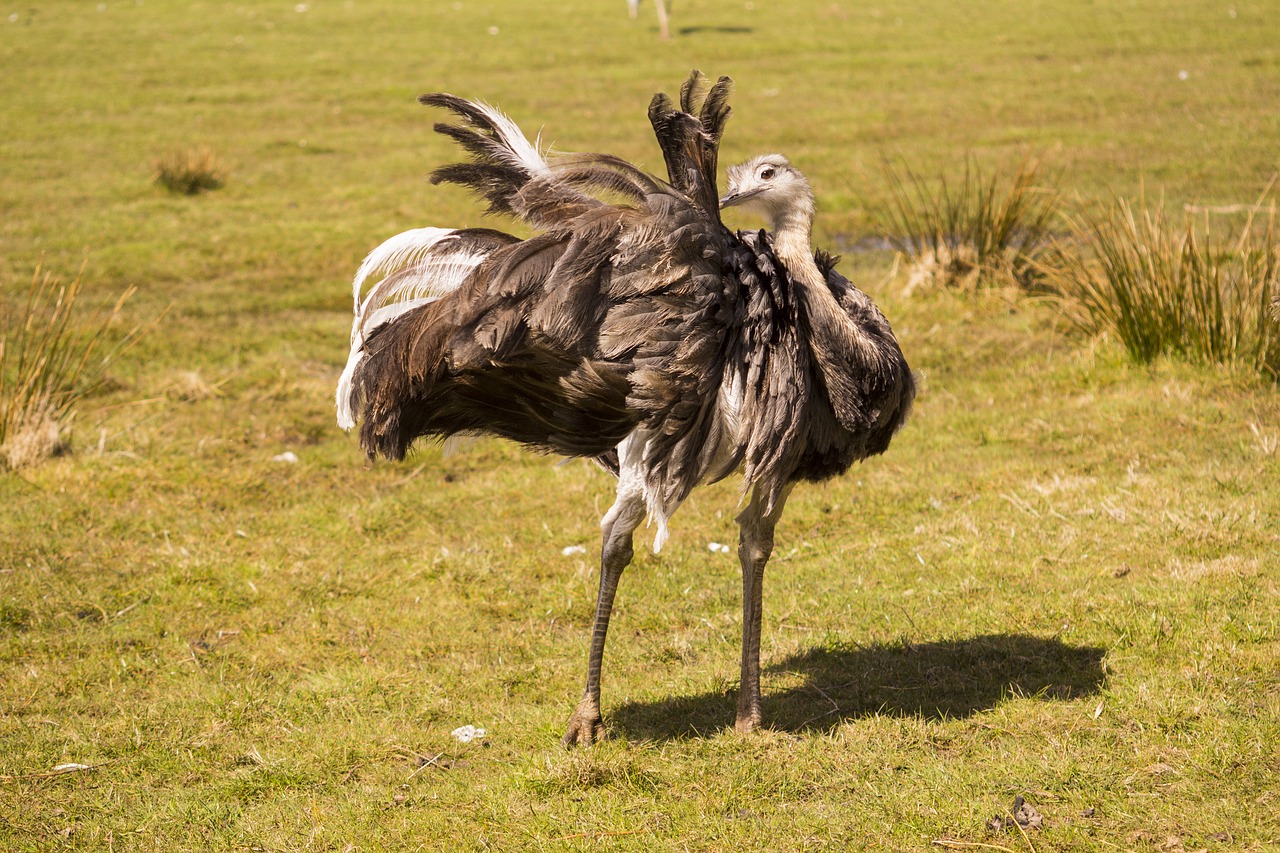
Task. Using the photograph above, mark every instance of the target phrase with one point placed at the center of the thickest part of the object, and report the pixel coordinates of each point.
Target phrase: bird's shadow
(945, 679)
(723, 30)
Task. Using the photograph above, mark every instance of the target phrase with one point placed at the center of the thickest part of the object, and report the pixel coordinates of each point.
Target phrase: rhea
(634, 329)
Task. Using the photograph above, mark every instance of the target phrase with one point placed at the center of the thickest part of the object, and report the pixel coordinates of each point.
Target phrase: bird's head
(771, 186)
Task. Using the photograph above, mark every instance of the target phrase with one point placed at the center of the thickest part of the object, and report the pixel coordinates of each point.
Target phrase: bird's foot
(585, 728)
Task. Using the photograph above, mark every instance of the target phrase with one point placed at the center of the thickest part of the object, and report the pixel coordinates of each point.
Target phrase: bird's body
(635, 329)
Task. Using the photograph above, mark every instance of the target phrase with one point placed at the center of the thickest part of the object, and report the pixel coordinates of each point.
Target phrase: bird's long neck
(841, 347)
(792, 244)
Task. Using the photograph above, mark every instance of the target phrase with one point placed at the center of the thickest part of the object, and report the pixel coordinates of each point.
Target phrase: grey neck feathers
(791, 242)
(792, 228)
(836, 341)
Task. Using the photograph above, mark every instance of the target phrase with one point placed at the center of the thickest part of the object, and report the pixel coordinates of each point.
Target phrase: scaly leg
(585, 725)
(754, 547)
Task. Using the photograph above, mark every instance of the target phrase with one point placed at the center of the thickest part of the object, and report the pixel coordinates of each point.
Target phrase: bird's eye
(766, 174)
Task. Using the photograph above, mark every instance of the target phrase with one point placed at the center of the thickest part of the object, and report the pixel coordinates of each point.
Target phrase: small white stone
(287, 456)
(1183, 75)
(570, 550)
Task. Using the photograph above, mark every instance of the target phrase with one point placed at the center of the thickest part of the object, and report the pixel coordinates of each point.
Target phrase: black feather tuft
(491, 181)
(826, 261)
(467, 110)
(692, 91)
(690, 138)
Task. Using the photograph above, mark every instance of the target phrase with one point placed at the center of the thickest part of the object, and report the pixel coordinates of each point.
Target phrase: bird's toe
(583, 730)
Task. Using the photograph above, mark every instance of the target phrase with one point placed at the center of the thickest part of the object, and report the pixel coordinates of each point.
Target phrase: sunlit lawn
(1060, 582)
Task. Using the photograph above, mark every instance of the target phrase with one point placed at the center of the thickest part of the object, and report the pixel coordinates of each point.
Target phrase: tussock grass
(1181, 289)
(51, 357)
(190, 171)
(979, 231)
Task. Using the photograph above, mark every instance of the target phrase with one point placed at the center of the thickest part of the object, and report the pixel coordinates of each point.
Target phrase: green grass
(1060, 582)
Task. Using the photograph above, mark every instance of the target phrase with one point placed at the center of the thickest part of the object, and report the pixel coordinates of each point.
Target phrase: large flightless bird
(634, 329)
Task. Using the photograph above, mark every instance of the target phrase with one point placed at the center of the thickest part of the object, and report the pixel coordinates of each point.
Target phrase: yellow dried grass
(50, 359)
(190, 171)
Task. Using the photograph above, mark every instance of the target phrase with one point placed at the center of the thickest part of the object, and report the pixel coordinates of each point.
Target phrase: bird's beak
(738, 197)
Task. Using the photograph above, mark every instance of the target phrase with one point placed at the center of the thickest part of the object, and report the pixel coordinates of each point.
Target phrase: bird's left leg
(586, 725)
(755, 544)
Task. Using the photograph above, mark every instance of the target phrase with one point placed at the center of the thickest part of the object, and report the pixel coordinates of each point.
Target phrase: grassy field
(1060, 582)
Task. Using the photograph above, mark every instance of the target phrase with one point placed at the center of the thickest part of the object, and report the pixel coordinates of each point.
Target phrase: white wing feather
(525, 153)
(395, 253)
(411, 269)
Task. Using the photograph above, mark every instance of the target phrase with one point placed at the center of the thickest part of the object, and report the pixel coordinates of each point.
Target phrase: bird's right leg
(586, 726)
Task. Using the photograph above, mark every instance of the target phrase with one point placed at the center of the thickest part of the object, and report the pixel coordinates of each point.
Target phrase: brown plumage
(635, 329)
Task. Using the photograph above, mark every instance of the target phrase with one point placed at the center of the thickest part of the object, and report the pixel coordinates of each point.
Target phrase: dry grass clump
(49, 361)
(972, 234)
(1166, 288)
(1230, 566)
(189, 387)
(34, 436)
(190, 171)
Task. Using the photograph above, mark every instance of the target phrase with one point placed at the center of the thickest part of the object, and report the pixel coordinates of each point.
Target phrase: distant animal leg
(664, 23)
(754, 547)
(585, 725)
